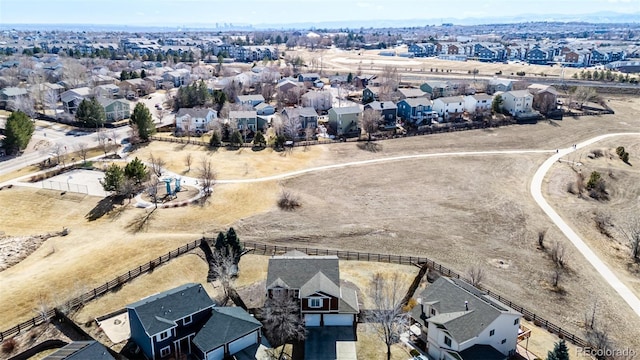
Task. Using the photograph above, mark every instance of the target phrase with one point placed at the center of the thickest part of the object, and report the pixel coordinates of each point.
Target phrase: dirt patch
(15, 249)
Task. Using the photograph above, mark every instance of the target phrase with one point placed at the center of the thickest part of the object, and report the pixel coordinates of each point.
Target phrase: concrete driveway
(330, 342)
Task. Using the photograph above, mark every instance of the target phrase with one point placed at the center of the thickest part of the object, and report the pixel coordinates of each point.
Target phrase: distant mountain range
(594, 18)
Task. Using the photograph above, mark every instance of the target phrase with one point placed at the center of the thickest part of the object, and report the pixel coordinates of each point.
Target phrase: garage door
(217, 354)
(338, 320)
(312, 319)
(243, 343)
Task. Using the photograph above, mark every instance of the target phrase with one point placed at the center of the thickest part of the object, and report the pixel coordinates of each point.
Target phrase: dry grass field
(457, 210)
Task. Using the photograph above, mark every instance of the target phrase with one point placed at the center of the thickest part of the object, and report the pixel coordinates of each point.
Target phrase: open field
(457, 210)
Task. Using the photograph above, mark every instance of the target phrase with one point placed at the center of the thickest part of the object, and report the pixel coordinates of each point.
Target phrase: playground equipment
(176, 188)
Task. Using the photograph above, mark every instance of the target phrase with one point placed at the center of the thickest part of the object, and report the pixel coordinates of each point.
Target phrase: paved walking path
(536, 191)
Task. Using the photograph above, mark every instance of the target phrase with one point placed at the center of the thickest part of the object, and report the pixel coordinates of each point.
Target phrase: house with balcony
(195, 120)
(247, 120)
(418, 111)
(449, 108)
(457, 321)
(185, 322)
(422, 50)
(387, 110)
(251, 100)
(321, 100)
(436, 88)
(499, 84)
(545, 97)
(410, 93)
(177, 77)
(71, 99)
(478, 103)
(10, 95)
(115, 109)
(315, 282)
(307, 116)
(539, 56)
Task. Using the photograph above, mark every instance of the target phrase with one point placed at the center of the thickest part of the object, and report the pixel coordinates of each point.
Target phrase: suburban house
(536, 55)
(459, 322)
(154, 81)
(308, 77)
(499, 84)
(251, 100)
(307, 115)
(370, 93)
(517, 102)
(545, 97)
(8, 96)
(81, 350)
(185, 321)
(177, 77)
(264, 109)
(478, 103)
(315, 282)
(40, 90)
(108, 90)
(135, 87)
(449, 107)
(102, 80)
(246, 119)
(387, 110)
(363, 80)
(418, 111)
(422, 50)
(286, 84)
(410, 93)
(321, 101)
(344, 120)
(115, 109)
(194, 120)
(71, 99)
(438, 89)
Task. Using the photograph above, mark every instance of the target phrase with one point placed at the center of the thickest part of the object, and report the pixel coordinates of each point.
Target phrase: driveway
(330, 342)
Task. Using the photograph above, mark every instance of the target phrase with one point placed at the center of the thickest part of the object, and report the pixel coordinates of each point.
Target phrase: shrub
(625, 157)
(597, 153)
(593, 180)
(414, 352)
(9, 345)
(288, 201)
(520, 73)
(620, 150)
(602, 221)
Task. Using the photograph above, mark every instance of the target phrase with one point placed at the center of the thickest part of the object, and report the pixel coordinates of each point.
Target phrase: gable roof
(242, 114)
(412, 93)
(479, 97)
(252, 98)
(347, 110)
(296, 270)
(300, 111)
(381, 105)
(106, 101)
(448, 296)
(81, 350)
(159, 312)
(450, 99)
(518, 93)
(414, 102)
(262, 106)
(14, 91)
(225, 325)
(538, 88)
(77, 93)
(482, 352)
(500, 81)
(199, 113)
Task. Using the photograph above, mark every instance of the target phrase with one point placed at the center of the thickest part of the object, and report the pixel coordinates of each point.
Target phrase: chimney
(466, 306)
(381, 105)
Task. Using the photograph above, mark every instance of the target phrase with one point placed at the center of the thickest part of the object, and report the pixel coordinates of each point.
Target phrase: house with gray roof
(315, 282)
(307, 115)
(460, 322)
(418, 111)
(8, 96)
(184, 321)
(344, 121)
(115, 109)
(387, 111)
(72, 98)
(81, 350)
(195, 120)
(252, 100)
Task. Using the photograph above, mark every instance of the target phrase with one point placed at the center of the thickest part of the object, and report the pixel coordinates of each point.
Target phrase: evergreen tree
(233, 243)
(560, 352)
(133, 75)
(350, 78)
(221, 241)
(113, 178)
(142, 118)
(143, 74)
(124, 75)
(496, 105)
(236, 139)
(18, 131)
(259, 140)
(215, 140)
(90, 113)
(136, 171)
(278, 39)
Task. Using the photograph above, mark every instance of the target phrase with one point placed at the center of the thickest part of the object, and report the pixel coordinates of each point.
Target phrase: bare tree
(308, 135)
(555, 276)
(59, 151)
(74, 73)
(134, 134)
(558, 255)
(268, 90)
(387, 316)
(292, 126)
(207, 175)
(476, 275)
(541, 235)
(152, 189)
(224, 269)
(369, 122)
(50, 100)
(388, 82)
(188, 159)
(630, 230)
(83, 150)
(282, 320)
(157, 165)
(103, 140)
(24, 104)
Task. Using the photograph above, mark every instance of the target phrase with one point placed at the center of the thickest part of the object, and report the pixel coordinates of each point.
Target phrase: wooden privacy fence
(100, 290)
(529, 315)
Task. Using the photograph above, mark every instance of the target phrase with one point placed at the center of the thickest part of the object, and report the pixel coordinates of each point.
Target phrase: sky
(210, 12)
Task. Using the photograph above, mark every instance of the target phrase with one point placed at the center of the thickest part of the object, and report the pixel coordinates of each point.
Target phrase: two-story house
(437, 88)
(251, 100)
(307, 115)
(247, 120)
(370, 93)
(450, 107)
(517, 102)
(81, 350)
(344, 120)
(177, 77)
(499, 84)
(10, 96)
(194, 120)
(308, 77)
(321, 101)
(545, 97)
(115, 109)
(478, 103)
(459, 322)
(387, 111)
(185, 321)
(418, 111)
(315, 282)
(71, 99)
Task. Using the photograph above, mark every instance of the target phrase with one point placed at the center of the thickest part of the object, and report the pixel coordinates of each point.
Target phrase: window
(516, 321)
(165, 351)
(492, 332)
(503, 341)
(164, 335)
(315, 302)
(433, 312)
(188, 320)
(447, 341)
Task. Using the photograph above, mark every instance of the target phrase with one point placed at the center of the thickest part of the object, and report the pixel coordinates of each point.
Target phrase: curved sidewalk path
(536, 191)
